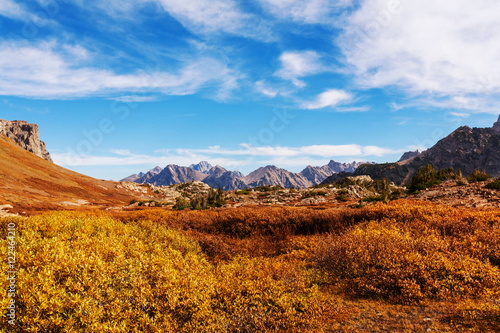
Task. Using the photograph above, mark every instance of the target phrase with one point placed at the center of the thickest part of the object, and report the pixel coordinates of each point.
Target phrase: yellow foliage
(89, 272)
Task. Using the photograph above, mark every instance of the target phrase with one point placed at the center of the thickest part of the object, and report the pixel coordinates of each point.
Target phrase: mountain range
(217, 176)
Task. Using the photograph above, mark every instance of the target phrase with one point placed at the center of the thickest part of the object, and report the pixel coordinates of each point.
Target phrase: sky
(119, 87)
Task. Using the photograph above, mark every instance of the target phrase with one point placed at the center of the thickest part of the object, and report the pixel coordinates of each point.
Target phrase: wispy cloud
(244, 155)
(50, 70)
(215, 16)
(297, 64)
(134, 98)
(330, 98)
(14, 10)
(265, 90)
(312, 11)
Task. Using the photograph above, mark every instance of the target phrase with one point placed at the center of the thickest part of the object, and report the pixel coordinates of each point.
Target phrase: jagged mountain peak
(203, 167)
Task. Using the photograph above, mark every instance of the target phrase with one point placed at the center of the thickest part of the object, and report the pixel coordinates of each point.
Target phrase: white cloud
(329, 98)
(311, 11)
(211, 16)
(134, 98)
(246, 158)
(299, 64)
(265, 90)
(459, 114)
(245, 155)
(48, 70)
(428, 48)
(14, 10)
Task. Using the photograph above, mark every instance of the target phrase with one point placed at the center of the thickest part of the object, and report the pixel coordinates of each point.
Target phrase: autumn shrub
(476, 316)
(92, 273)
(494, 185)
(478, 176)
(266, 295)
(382, 259)
(427, 177)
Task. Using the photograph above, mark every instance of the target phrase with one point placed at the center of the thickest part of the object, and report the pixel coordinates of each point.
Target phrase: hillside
(29, 183)
(465, 149)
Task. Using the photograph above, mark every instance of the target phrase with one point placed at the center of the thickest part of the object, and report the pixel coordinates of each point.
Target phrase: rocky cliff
(26, 136)
(496, 126)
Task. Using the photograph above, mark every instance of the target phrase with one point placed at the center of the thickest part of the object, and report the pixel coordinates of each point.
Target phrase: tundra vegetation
(397, 266)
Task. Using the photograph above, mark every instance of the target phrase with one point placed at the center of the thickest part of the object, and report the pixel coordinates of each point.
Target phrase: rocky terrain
(25, 135)
(474, 195)
(466, 149)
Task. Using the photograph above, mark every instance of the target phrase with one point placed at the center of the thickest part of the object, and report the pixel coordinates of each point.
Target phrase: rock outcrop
(496, 126)
(26, 136)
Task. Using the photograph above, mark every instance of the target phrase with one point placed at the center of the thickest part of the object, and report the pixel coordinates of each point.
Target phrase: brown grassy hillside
(30, 183)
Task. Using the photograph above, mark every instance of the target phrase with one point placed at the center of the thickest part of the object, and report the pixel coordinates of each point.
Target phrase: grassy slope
(29, 182)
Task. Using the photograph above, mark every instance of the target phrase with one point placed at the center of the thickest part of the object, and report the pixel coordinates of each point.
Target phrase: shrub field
(256, 270)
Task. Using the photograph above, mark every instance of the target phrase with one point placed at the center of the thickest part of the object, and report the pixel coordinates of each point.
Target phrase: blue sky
(118, 87)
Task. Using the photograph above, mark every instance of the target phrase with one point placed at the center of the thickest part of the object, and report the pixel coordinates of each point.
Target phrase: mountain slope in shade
(316, 174)
(132, 178)
(174, 174)
(30, 183)
(226, 180)
(271, 175)
(466, 149)
(203, 167)
(408, 155)
(148, 175)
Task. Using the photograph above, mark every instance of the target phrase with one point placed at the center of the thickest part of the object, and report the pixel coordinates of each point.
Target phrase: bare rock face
(26, 136)
(496, 126)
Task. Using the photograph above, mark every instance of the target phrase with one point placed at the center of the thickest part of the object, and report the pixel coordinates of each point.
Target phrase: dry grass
(32, 184)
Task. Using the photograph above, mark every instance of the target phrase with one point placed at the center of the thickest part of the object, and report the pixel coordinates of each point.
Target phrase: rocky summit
(26, 136)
